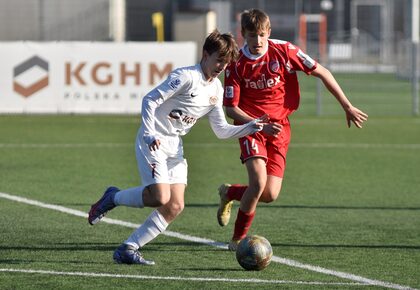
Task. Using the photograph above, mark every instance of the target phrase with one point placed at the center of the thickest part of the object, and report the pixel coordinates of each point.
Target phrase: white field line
(285, 261)
(414, 146)
(195, 279)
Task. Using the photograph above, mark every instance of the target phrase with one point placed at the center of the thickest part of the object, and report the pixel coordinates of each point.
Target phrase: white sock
(150, 229)
(132, 197)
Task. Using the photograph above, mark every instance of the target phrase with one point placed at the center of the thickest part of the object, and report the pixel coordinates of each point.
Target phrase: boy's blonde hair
(254, 20)
(224, 44)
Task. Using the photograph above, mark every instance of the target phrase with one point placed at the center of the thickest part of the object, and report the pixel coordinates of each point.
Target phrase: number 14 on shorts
(253, 146)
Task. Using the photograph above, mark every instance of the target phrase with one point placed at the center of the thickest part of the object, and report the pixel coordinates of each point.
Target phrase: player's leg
(234, 191)
(155, 194)
(276, 164)
(228, 193)
(270, 176)
(175, 206)
(178, 172)
(128, 252)
(159, 219)
(272, 189)
(156, 222)
(257, 177)
(251, 147)
(172, 196)
(153, 170)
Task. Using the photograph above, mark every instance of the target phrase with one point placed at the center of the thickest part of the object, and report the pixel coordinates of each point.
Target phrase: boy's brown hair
(254, 20)
(224, 44)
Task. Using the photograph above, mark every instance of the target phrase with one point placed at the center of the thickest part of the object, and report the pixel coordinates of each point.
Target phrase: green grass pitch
(350, 204)
(348, 214)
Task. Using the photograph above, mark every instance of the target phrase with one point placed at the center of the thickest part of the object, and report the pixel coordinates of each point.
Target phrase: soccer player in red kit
(262, 81)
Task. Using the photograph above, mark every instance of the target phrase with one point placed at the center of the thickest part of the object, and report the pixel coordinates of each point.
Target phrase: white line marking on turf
(196, 279)
(414, 146)
(276, 259)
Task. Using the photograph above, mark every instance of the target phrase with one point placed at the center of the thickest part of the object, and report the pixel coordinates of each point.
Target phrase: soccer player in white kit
(168, 112)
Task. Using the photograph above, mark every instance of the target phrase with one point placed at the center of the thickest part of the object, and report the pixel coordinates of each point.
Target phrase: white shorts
(165, 165)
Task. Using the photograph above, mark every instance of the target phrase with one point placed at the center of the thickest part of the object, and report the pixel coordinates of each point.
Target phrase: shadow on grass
(154, 246)
(329, 207)
(223, 270)
(264, 205)
(63, 247)
(331, 246)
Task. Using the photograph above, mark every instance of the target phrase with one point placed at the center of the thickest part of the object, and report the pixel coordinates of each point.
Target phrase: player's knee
(171, 210)
(159, 198)
(163, 198)
(269, 196)
(177, 208)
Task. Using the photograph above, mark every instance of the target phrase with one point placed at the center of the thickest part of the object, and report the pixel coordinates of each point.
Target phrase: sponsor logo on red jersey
(262, 82)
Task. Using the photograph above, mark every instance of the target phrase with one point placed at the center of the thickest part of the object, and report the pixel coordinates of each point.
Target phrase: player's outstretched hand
(261, 121)
(151, 142)
(154, 145)
(356, 116)
(272, 129)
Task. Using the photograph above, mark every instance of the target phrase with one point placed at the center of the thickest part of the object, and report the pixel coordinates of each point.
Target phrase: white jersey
(172, 108)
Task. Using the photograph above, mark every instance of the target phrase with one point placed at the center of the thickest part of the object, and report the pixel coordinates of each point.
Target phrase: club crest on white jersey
(213, 100)
(174, 84)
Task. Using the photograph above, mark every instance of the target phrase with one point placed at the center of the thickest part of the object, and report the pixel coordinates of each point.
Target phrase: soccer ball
(254, 253)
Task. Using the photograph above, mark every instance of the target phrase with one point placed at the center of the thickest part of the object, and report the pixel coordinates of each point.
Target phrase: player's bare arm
(353, 114)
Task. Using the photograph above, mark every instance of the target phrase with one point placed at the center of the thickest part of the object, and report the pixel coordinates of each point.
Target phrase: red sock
(242, 224)
(236, 191)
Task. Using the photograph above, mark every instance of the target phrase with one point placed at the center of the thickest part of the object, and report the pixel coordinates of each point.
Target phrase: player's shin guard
(236, 191)
(242, 224)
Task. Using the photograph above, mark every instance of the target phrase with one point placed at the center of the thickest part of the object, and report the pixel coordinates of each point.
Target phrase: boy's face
(257, 40)
(212, 65)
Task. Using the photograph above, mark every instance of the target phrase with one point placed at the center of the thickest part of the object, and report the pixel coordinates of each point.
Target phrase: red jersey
(267, 84)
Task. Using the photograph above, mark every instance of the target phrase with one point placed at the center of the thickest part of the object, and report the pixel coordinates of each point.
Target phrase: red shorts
(272, 149)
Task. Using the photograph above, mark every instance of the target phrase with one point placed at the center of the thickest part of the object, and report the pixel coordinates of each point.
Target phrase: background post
(414, 50)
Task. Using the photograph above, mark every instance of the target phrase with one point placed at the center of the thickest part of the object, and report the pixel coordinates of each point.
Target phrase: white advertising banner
(85, 77)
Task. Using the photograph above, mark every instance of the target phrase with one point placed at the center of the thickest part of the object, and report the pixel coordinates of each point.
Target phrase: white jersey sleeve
(224, 130)
(149, 104)
(174, 84)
